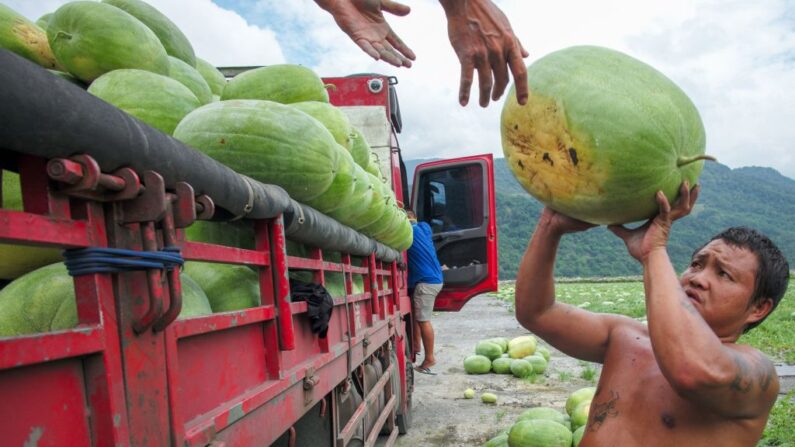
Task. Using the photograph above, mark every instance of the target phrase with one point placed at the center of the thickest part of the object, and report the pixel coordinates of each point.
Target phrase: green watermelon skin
(190, 77)
(284, 83)
(44, 301)
(157, 100)
(602, 132)
(360, 149)
(330, 116)
(228, 287)
(353, 214)
(25, 38)
(340, 193)
(44, 21)
(214, 78)
(539, 433)
(171, 37)
(90, 39)
(267, 141)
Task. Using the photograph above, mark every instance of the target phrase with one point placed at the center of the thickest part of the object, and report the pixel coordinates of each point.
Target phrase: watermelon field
(442, 416)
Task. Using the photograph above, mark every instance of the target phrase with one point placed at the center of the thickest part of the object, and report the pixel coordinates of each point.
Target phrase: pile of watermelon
(274, 124)
(521, 356)
(549, 427)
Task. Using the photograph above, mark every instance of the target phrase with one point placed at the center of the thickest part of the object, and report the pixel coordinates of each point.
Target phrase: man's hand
(653, 234)
(363, 21)
(484, 41)
(561, 224)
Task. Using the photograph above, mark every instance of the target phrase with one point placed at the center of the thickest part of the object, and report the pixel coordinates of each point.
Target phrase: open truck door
(456, 198)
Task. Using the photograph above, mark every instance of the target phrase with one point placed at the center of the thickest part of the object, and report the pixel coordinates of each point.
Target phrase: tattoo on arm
(742, 380)
(600, 411)
(749, 371)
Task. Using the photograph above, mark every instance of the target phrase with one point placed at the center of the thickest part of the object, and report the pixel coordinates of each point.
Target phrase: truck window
(453, 199)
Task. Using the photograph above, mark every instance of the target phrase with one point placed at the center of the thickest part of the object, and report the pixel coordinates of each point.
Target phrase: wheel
(404, 416)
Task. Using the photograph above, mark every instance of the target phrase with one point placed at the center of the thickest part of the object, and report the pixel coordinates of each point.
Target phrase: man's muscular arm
(731, 380)
(576, 332)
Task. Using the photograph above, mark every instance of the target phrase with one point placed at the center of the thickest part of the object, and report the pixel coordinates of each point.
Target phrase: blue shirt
(423, 263)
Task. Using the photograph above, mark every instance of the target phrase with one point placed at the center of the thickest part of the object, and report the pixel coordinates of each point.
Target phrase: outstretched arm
(363, 21)
(732, 380)
(574, 331)
(482, 38)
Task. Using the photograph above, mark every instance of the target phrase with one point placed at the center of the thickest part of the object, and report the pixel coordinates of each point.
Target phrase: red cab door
(456, 198)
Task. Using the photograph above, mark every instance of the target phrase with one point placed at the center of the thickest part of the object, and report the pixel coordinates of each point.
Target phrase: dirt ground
(442, 417)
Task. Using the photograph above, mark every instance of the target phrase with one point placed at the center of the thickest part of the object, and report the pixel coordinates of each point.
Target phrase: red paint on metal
(270, 332)
(153, 281)
(32, 229)
(32, 349)
(210, 323)
(199, 251)
(354, 91)
(282, 284)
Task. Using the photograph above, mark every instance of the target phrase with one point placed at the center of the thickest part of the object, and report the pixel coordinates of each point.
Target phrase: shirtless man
(683, 380)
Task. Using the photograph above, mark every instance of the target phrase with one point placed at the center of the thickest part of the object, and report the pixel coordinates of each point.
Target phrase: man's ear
(759, 310)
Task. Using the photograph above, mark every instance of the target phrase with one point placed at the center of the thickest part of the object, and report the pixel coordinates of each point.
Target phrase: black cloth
(319, 304)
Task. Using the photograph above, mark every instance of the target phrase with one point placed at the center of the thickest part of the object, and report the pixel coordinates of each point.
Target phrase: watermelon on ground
(477, 364)
(539, 433)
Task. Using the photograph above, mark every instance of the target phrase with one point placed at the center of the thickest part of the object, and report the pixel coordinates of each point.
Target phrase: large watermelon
(43, 22)
(340, 193)
(157, 100)
(330, 116)
(91, 39)
(267, 141)
(215, 79)
(174, 42)
(360, 200)
(238, 234)
(16, 260)
(539, 433)
(360, 150)
(228, 287)
(25, 38)
(190, 77)
(284, 83)
(600, 134)
(44, 300)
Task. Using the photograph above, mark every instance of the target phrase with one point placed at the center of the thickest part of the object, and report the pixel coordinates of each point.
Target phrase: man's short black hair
(772, 275)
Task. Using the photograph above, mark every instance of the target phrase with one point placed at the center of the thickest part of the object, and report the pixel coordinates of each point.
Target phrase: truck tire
(404, 411)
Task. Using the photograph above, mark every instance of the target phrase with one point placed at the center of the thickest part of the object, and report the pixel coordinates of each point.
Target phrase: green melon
(469, 393)
(502, 341)
(91, 39)
(43, 22)
(16, 260)
(521, 368)
(402, 238)
(238, 234)
(157, 100)
(68, 77)
(601, 133)
(173, 40)
(539, 433)
(25, 38)
(501, 365)
(340, 193)
(500, 440)
(488, 349)
(330, 116)
(477, 364)
(543, 351)
(189, 77)
(214, 78)
(579, 396)
(538, 362)
(378, 211)
(579, 417)
(359, 203)
(522, 346)
(228, 287)
(544, 413)
(360, 150)
(285, 83)
(267, 141)
(488, 398)
(44, 300)
(576, 437)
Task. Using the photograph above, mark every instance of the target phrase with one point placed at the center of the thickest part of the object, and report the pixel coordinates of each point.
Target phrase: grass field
(775, 337)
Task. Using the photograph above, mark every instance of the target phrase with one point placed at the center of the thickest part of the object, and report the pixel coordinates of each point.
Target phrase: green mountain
(757, 197)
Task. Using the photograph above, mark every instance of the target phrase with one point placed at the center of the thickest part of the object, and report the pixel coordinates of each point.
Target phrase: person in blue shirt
(425, 282)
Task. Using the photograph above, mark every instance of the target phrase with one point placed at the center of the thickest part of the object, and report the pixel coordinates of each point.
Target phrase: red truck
(130, 373)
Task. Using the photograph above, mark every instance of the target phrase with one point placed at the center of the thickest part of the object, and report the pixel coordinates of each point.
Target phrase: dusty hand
(484, 41)
(560, 223)
(363, 21)
(654, 234)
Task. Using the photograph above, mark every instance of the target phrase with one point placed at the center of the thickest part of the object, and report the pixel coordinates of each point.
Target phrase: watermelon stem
(64, 34)
(681, 161)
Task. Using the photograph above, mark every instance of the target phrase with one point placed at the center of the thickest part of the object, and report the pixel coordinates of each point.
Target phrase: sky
(734, 58)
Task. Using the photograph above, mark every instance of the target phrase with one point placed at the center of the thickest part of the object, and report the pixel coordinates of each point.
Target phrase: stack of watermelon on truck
(155, 216)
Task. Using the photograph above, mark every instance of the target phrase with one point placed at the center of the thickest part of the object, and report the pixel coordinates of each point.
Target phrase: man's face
(720, 282)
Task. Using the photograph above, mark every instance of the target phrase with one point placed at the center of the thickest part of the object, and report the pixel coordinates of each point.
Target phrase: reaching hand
(484, 41)
(654, 234)
(363, 21)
